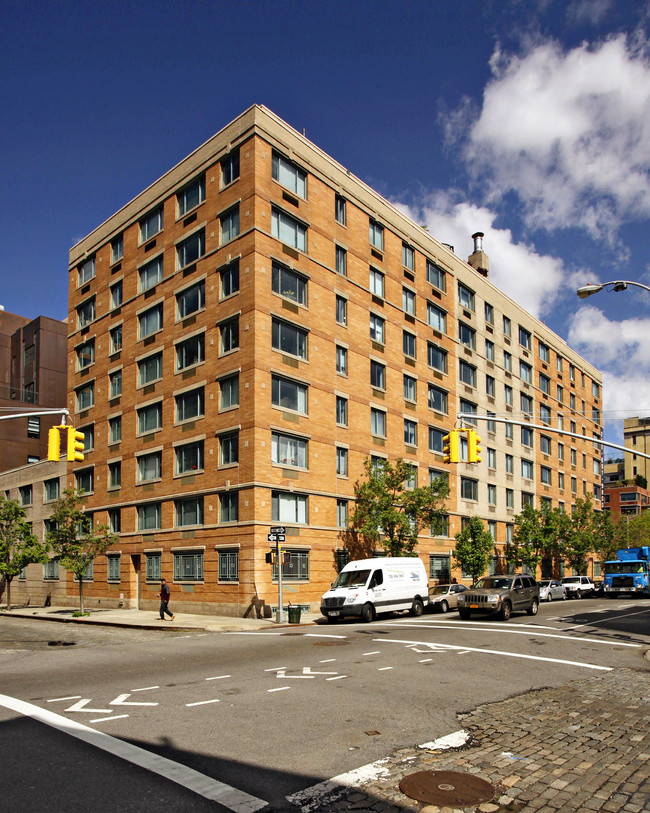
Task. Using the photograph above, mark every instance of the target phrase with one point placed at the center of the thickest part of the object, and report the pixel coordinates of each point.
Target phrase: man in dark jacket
(164, 601)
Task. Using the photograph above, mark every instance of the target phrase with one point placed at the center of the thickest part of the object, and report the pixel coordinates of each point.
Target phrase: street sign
(272, 537)
(280, 537)
(277, 529)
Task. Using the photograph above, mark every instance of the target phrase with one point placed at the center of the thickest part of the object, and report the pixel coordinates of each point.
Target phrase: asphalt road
(270, 713)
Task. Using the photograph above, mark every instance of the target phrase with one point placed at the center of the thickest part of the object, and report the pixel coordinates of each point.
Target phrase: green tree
(386, 507)
(641, 481)
(74, 540)
(18, 545)
(605, 545)
(582, 534)
(474, 546)
(539, 534)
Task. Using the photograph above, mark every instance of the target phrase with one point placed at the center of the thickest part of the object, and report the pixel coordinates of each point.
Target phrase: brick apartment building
(251, 327)
(636, 438)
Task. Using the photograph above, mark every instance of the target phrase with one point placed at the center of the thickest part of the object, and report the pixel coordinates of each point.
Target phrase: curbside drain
(447, 788)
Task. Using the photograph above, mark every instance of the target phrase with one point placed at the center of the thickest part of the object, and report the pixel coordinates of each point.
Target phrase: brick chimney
(479, 260)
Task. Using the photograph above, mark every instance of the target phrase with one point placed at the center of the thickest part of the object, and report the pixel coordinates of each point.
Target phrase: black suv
(500, 595)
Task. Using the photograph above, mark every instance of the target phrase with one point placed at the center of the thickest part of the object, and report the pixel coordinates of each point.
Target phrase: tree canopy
(474, 547)
(19, 547)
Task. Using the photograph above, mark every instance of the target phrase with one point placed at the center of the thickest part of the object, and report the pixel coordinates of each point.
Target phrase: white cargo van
(370, 586)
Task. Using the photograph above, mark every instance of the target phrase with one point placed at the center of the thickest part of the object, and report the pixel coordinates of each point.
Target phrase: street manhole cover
(446, 788)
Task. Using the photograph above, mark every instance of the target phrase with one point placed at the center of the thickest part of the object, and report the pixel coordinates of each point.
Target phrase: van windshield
(351, 578)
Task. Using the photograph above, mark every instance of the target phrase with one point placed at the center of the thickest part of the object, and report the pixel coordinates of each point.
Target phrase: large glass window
(115, 429)
(341, 310)
(229, 335)
(51, 490)
(149, 418)
(524, 338)
(376, 282)
(229, 277)
(153, 566)
(189, 511)
(288, 394)
(230, 168)
(341, 261)
(410, 388)
(86, 271)
(115, 384)
(377, 324)
(436, 357)
(377, 375)
(229, 507)
(190, 352)
(189, 457)
(85, 396)
(467, 373)
(86, 313)
(436, 318)
(149, 517)
(149, 467)
(408, 344)
(286, 507)
(191, 196)
(378, 422)
(150, 369)
(525, 372)
(376, 235)
(410, 432)
(150, 321)
(191, 300)
(192, 248)
(436, 443)
(288, 338)
(339, 210)
(190, 405)
(289, 230)
(229, 392)
(151, 224)
(151, 273)
(341, 461)
(408, 257)
(341, 360)
(116, 294)
(229, 225)
(466, 335)
(438, 399)
(289, 284)
(465, 297)
(115, 335)
(288, 450)
(117, 249)
(289, 175)
(468, 488)
(228, 448)
(85, 354)
(228, 565)
(188, 566)
(115, 474)
(408, 301)
(436, 276)
(341, 410)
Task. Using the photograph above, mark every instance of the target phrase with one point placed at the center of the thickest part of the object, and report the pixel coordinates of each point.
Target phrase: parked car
(578, 586)
(500, 595)
(444, 597)
(550, 589)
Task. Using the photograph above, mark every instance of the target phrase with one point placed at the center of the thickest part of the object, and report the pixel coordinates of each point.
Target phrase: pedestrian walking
(164, 601)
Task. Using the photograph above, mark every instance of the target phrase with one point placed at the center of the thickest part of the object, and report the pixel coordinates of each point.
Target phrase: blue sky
(527, 120)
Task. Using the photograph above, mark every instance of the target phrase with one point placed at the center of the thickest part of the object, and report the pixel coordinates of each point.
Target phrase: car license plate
(473, 606)
(334, 612)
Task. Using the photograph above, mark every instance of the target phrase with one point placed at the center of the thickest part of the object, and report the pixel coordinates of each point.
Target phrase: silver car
(550, 589)
(444, 597)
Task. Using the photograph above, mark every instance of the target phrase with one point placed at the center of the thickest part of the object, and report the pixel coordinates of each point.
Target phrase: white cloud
(533, 280)
(588, 11)
(569, 132)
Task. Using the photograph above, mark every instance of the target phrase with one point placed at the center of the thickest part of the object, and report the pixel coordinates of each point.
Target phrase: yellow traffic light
(75, 444)
(473, 447)
(54, 443)
(450, 447)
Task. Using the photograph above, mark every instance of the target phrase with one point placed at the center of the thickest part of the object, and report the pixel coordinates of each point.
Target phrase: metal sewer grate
(447, 788)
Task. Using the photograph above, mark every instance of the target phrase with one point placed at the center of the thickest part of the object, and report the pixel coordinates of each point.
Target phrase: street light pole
(616, 285)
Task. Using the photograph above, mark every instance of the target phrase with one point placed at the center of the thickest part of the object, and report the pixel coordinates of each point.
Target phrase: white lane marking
(104, 719)
(425, 660)
(455, 740)
(313, 798)
(372, 653)
(338, 677)
(384, 668)
(511, 631)
(80, 705)
(146, 689)
(235, 800)
(456, 622)
(202, 703)
(593, 623)
(329, 660)
(462, 650)
(121, 700)
(307, 671)
(253, 633)
(219, 677)
(316, 635)
(276, 668)
(279, 689)
(61, 699)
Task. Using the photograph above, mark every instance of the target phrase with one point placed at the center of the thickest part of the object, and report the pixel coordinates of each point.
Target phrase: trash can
(294, 615)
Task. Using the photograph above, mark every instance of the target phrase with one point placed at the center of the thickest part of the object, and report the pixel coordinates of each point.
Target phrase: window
(436, 358)
(437, 399)
(150, 369)
(595, 415)
(411, 478)
(150, 274)
(86, 271)
(288, 394)
(89, 437)
(525, 372)
(560, 393)
(288, 338)
(527, 499)
(467, 373)
(524, 338)
(341, 513)
(572, 401)
(228, 565)
(510, 498)
(84, 481)
(341, 410)
(507, 361)
(229, 278)
(490, 386)
(115, 429)
(51, 490)
(376, 235)
(439, 568)
(229, 448)
(489, 350)
(288, 230)
(408, 344)
(115, 384)
(191, 197)
(574, 485)
(410, 432)
(573, 457)
(341, 310)
(149, 517)
(408, 257)
(297, 567)
(468, 408)
(149, 467)
(410, 388)
(151, 224)
(377, 375)
(341, 261)
(229, 335)
(229, 226)
(117, 249)
(377, 328)
(468, 488)
(558, 363)
(341, 360)
(339, 210)
(116, 295)
(544, 444)
(465, 297)
(113, 569)
(153, 566)
(190, 352)
(25, 495)
(526, 436)
(188, 566)
(376, 283)
(436, 318)
(489, 314)
(526, 404)
(508, 427)
(507, 394)
(189, 457)
(560, 452)
(527, 469)
(149, 418)
(289, 175)
(595, 389)
(492, 494)
(288, 450)
(229, 392)
(544, 353)
(510, 464)
(507, 326)
(85, 396)
(189, 511)
(85, 354)
(378, 422)
(190, 405)
(466, 335)
(435, 276)
(287, 507)
(86, 313)
(51, 570)
(408, 301)
(545, 475)
(436, 440)
(150, 321)
(545, 384)
(230, 168)
(341, 461)
(115, 339)
(544, 414)
(229, 507)
(191, 300)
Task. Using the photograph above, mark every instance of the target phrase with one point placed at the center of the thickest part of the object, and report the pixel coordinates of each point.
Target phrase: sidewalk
(148, 619)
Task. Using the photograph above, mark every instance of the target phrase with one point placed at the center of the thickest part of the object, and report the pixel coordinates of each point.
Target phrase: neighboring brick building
(636, 438)
(625, 499)
(247, 330)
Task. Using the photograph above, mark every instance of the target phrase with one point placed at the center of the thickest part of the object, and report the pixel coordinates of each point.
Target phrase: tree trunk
(8, 593)
(81, 594)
